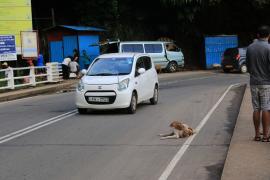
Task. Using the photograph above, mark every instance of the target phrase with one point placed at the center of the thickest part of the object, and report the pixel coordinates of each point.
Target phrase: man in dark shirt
(258, 64)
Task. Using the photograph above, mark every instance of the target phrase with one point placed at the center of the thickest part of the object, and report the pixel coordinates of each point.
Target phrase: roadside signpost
(7, 48)
(29, 42)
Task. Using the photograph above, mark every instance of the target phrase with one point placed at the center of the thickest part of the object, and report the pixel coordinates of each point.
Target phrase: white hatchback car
(120, 80)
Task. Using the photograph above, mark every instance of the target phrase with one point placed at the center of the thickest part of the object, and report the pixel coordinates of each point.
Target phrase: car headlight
(123, 84)
(80, 86)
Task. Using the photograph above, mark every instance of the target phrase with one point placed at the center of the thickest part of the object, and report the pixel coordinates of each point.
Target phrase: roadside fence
(12, 78)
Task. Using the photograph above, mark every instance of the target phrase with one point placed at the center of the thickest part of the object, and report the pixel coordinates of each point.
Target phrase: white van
(164, 54)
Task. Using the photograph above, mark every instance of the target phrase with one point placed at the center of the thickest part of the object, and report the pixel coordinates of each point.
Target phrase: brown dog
(180, 130)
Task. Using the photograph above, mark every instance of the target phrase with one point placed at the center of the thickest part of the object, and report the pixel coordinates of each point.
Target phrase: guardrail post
(60, 73)
(54, 72)
(10, 76)
(49, 72)
(32, 76)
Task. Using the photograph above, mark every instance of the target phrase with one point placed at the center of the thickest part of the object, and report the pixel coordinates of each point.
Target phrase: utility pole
(53, 17)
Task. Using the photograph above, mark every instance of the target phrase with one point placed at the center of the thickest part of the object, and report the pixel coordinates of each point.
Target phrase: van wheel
(82, 111)
(133, 104)
(172, 67)
(154, 99)
(243, 68)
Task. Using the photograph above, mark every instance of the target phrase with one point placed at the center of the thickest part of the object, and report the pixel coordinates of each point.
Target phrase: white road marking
(183, 80)
(37, 126)
(187, 143)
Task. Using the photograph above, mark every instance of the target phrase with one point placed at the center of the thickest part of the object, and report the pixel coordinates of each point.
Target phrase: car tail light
(237, 56)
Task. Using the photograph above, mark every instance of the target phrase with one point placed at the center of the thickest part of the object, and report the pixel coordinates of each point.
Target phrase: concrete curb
(246, 159)
(22, 93)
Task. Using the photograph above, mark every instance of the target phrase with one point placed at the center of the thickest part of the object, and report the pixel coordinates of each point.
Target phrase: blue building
(215, 47)
(62, 40)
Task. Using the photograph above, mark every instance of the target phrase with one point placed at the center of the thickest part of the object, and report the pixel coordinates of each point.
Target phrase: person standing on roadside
(65, 67)
(76, 55)
(258, 64)
(74, 67)
(85, 59)
(6, 66)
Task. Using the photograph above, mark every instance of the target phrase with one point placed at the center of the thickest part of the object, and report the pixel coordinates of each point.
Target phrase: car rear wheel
(133, 104)
(154, 99)
(82, 111)
(172, 67)
(243, 68)
(226, 70)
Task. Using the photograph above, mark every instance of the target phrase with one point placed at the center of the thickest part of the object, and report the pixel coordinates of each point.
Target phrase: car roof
(115, 55)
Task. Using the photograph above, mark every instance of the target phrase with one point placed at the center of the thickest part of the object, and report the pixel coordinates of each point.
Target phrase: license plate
(229, 66)
(98, 99)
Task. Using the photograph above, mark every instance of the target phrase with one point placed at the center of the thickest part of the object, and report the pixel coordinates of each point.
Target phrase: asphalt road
(43, 137)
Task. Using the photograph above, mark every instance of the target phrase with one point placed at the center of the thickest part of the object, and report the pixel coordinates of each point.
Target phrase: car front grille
(99, 97)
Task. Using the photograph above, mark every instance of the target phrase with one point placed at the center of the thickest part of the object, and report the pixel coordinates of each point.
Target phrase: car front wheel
(133, 104)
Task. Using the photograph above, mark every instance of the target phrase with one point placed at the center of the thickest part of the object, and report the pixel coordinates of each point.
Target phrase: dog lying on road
(180, 130)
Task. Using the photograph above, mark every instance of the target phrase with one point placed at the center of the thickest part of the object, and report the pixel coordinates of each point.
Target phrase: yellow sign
(15, 26)
(15, 16)
(14, 3)
(15, 13)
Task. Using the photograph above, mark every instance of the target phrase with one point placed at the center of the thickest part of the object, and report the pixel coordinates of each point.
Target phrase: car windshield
(111, 67)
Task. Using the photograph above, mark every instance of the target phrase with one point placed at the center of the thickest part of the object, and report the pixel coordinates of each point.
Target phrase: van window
(147, 63)
(153, 48)
(132, 48)
(172, 47)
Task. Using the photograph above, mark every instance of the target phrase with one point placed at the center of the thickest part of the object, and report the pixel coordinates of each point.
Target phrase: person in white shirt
(65, 67)
(74, 67)
(6, 66)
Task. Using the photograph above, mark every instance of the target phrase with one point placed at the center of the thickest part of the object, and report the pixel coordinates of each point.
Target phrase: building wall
(59, 36)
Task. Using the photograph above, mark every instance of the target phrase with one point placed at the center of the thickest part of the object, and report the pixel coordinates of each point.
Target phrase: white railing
(30, 76)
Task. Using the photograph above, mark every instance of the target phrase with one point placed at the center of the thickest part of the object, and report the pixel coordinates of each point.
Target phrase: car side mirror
(141, 71)
(84, 71)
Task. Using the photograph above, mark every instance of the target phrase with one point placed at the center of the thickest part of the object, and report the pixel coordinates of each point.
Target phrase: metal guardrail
(30, 76)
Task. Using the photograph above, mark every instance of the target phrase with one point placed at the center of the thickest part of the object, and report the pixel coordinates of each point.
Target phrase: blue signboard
(215, 47)
(7, 48)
